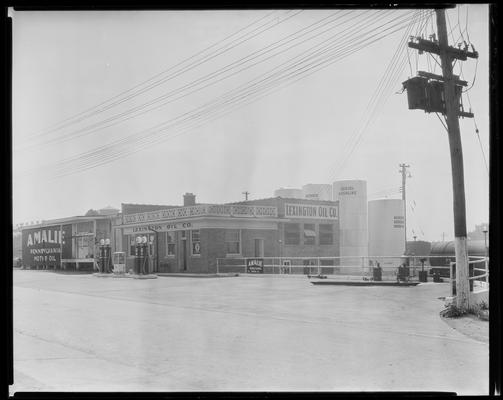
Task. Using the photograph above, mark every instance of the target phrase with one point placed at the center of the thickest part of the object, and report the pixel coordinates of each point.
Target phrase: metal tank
(352, 197)
(289, 193)
(317, 191)
(475, 248)
(386, 225)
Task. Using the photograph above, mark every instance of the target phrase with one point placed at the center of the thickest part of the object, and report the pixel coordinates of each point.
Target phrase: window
(232, 241)
(326, 234)
(85, 247)
(170, 243)
(292, 233)
(84, 227)
(196, 242)
(132, 244)
(309, 234)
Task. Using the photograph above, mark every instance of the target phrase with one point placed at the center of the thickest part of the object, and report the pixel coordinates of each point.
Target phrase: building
(289, 193)
(65, 243)
(317, 191)
(192, 237)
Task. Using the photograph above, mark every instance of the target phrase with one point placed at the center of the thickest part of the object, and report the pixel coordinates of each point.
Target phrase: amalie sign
(255, 265)
(311, 211)
(43, 246)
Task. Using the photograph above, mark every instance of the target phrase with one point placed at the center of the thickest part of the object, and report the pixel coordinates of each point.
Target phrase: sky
(248, 100)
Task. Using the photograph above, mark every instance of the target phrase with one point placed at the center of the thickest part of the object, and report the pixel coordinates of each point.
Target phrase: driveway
(272, 333)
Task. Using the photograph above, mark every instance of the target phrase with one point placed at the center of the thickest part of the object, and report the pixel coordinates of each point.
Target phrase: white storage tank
(317, 191)
(386, 228)
(352, 197)
(289, 193)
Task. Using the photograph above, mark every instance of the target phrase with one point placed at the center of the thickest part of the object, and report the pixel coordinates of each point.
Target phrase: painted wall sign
(311, 211)
(255, 265)
(42, 246)
(398, 221)
(165, 227)
(202, 210)
(347, 191)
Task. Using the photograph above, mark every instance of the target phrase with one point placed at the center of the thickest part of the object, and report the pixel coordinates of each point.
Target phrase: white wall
(386, 227)
(352, 197)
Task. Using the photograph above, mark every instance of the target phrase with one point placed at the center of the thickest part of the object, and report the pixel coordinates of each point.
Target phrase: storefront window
(309, 234)
(84, 227)
(326, 234)
(195, 242)
(170, 243)
(232, 241)
(292, 234)
(85, 247)
(132, 243)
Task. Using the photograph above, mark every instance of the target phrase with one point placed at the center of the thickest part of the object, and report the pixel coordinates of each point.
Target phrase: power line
(99, 152)
(385, 82)
(96, 109)
(143, 108)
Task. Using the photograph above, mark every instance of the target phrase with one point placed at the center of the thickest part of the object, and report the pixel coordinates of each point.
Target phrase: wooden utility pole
(458, 184)
(246, 195)
(451, 108)
(403, 171)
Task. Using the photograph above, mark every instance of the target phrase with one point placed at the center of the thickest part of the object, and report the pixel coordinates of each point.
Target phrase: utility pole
(403, 171)
(450, 106)
(246, 195)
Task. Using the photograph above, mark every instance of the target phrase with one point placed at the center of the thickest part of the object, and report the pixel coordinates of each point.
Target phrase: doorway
(183, 253)
(259, 248)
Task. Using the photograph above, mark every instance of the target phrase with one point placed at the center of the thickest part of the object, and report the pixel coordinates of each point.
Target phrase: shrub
(452, 311)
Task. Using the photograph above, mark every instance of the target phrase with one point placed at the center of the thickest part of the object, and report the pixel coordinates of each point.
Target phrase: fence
(477, 279)
(349, 266)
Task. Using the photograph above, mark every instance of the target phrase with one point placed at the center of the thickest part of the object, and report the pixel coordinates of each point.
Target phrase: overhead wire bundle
(384, 88)
(208, 79)
(342, 44)
(184, 66)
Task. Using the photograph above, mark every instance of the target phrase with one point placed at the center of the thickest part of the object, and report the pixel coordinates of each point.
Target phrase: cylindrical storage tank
(386, 230)
(352, 197)
(317, 191)
(289, 193)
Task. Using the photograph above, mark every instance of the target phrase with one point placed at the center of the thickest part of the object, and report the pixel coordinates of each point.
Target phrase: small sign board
(119, 262)
(255, 265)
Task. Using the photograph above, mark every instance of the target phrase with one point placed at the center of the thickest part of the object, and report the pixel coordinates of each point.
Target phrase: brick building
(190, 238)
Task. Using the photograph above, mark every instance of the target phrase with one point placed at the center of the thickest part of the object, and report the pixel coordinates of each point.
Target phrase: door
(183, 252)
(259, 248)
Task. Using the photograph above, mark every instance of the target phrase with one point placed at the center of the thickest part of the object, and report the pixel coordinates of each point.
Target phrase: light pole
(485, 240)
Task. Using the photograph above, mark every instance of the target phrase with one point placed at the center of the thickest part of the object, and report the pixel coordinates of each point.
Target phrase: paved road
(84, 333)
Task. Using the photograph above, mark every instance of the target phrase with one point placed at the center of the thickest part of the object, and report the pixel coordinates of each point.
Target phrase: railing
(481, 281)
(202, 210)
(359, 267)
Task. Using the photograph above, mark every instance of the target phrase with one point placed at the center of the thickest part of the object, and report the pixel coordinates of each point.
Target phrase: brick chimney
(189, 199)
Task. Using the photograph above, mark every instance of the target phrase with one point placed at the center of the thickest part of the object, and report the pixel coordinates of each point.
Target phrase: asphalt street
(272, 333)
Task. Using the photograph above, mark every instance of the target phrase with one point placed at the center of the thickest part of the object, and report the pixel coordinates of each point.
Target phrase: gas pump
(104, 256)
(138, 256)
(101, 252)
(144, 261)
(107, 254)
